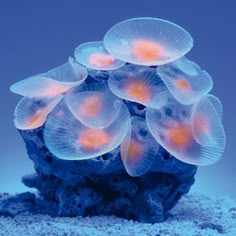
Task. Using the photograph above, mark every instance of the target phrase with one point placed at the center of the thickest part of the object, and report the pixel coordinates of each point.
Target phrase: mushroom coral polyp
(146, 64)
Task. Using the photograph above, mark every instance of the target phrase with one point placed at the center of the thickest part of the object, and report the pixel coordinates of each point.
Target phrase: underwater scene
(116, 125)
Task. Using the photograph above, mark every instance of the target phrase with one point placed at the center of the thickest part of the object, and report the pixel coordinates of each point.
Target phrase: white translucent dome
(147, 41)
(93, 55)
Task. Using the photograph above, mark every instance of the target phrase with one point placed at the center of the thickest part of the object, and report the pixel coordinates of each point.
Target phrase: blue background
(36, 36)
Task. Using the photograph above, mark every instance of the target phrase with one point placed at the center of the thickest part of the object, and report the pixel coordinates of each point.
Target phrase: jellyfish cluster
(145, 63)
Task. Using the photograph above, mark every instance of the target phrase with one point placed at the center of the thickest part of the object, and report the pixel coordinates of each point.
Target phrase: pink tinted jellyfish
(192, 133)
(138, 85)
(147, 41)
(93, 55)
(185, 80)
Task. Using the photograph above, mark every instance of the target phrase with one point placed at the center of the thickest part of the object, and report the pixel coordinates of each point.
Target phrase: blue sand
(196, 214)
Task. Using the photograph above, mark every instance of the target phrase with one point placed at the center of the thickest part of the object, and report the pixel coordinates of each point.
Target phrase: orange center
(182, 84)
(147, 50)
(101, 60)
(139, 91)
(134, 150)
(35, 117)
(180, 136)
(91, 106)
(92, 139)
(55, 90)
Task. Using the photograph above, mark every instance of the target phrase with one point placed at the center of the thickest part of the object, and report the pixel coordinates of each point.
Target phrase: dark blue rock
(102, 186)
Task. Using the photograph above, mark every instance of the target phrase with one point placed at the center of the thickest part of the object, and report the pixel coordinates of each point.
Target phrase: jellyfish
(54, 82)
(189, 132)
(31, 113)
(67, 138)
(93, 105)
(93, 55)
(138, 149)
(137, 85)
(207, 126)
(185, 80)
(147, 41)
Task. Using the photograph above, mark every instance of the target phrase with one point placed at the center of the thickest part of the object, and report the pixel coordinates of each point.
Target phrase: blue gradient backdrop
(36, 36)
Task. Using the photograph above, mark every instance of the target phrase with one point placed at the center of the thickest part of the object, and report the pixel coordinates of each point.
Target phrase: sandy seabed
(195, 215)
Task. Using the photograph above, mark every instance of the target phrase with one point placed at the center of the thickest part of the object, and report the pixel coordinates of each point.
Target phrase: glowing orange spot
(91, 106)
(139, 91)
(134, 149)
(147, 50)
(55, 90)
(93, 138)
(35, 117)
(180, 136)
(182, 84)
(201, 123)
(101, 60)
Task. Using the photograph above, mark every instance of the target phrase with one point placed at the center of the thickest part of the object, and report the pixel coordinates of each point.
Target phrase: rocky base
(99, 186)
